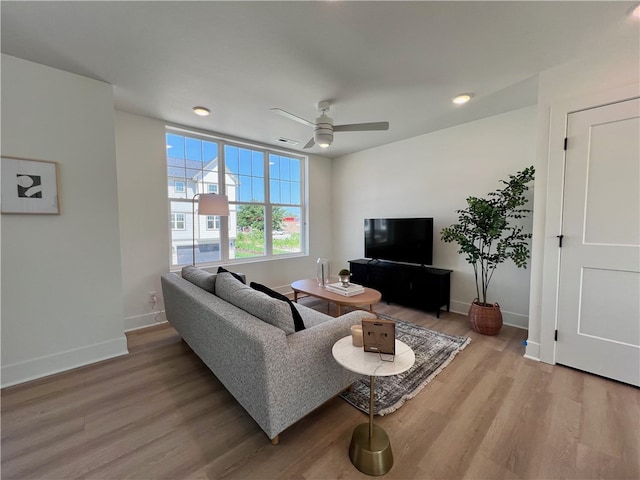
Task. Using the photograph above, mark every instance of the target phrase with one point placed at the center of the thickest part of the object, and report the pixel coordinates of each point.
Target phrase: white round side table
(370, 449)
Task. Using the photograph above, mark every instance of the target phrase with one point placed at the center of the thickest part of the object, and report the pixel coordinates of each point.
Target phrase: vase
(322, 271)
(485, 319)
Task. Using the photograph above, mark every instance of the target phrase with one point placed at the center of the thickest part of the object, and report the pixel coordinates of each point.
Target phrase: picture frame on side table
(29, 186)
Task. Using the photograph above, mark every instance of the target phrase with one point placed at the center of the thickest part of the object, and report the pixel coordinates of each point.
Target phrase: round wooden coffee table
(370, 448)
(310, 287)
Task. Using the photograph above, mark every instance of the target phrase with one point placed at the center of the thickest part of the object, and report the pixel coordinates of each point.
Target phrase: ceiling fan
(323, 126)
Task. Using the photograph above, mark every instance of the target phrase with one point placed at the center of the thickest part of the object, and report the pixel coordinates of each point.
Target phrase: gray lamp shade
(213, 204)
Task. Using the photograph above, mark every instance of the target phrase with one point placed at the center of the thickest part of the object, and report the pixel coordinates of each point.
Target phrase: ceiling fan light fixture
(322, 139)
(462, 98)
(323, 133)
(323, 127)
(202, 111)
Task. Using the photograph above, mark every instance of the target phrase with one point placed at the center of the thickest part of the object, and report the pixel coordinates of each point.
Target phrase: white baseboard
(144, 321)
(59, 362)
(532, 352)
(508, 318)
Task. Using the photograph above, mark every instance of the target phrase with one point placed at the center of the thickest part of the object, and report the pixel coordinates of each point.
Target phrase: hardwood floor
(159, 413)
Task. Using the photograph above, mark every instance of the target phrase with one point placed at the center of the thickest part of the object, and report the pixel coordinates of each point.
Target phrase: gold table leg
(370, 449)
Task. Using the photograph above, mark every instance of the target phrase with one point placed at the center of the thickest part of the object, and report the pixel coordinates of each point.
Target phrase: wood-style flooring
(159, 413)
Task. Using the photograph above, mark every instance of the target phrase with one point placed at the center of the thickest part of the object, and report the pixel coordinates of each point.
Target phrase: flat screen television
(408, 240)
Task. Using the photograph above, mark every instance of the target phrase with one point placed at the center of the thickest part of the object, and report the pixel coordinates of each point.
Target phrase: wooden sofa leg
(275, 440)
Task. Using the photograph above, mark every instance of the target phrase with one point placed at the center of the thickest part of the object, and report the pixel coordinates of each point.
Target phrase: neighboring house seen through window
(177, 221)
(265, 188)
(213, 222)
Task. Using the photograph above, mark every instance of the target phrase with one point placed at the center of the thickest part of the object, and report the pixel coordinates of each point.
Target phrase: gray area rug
(434, 351)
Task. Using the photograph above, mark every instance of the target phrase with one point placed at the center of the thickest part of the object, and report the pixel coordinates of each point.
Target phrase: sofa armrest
(308, 375)
(310, 352)
(317, 339)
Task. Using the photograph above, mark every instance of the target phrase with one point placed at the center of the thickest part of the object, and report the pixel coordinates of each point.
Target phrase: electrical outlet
(153, 298)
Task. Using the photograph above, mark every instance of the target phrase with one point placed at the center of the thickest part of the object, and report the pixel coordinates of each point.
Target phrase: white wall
(144, 230)
(61, 279)
(431, 175)
(588, 77)
(143, 210)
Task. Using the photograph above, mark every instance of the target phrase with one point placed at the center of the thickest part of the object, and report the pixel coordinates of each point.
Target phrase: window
(177, 221)
(213, 222)
(266, 199)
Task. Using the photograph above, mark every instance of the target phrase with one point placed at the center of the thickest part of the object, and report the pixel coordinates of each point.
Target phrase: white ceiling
(376, 61)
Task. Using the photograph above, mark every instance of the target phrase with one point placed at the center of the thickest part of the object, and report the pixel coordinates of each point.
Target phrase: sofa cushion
(236, 275)
(258, 304)
(298, 323)
(200, 278)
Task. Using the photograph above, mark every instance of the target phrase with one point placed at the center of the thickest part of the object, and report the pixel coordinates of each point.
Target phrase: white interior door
(599, 291)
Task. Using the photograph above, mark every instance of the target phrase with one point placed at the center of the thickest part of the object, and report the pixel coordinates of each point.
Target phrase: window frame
(174, 221)
(212, 218)
(234, 204)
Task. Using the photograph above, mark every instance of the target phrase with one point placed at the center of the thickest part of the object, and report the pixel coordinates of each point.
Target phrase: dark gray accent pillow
(200, 278)
(298, 323)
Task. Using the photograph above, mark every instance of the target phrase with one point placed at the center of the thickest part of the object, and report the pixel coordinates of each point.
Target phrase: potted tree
(488, 237)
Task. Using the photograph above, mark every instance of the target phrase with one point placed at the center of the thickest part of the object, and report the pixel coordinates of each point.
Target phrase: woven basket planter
(485, 319)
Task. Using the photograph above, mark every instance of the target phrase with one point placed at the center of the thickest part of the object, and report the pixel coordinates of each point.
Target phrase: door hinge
(556, 336)
(560, 237)
(565, 142)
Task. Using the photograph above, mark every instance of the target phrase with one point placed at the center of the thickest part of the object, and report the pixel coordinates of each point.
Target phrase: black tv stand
(418, 286)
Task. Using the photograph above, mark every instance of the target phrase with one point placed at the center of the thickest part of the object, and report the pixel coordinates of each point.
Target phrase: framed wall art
(29, 186)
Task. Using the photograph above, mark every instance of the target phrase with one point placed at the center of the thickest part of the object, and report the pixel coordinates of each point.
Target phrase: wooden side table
(370, 448)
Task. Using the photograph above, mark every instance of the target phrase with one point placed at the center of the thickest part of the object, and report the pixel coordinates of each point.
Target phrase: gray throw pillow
(199, 277)
(298, 323)
(270, 310)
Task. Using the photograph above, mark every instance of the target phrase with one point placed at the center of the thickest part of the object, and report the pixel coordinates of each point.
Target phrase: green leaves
(252, 217)
(486, 236)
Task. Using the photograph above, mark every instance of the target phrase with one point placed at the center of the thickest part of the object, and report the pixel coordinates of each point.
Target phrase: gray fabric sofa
(278, 378)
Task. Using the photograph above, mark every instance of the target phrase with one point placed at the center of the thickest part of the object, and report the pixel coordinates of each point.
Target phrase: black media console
(425, 288)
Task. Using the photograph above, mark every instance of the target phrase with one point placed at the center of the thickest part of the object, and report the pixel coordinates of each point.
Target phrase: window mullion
(268, 212)
(222, 190)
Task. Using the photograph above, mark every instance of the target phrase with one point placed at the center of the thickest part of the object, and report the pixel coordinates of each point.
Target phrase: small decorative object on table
(348, 291)
(344, 275)
(356, 335)
(322, 271)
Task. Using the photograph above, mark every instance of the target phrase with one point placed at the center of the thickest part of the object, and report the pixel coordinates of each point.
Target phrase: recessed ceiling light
(462, 98)
(636, 11)
(202, 111)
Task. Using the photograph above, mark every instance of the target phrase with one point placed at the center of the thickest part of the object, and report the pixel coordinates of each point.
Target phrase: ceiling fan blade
(361, 127)
(291, 116)
(310, 143)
